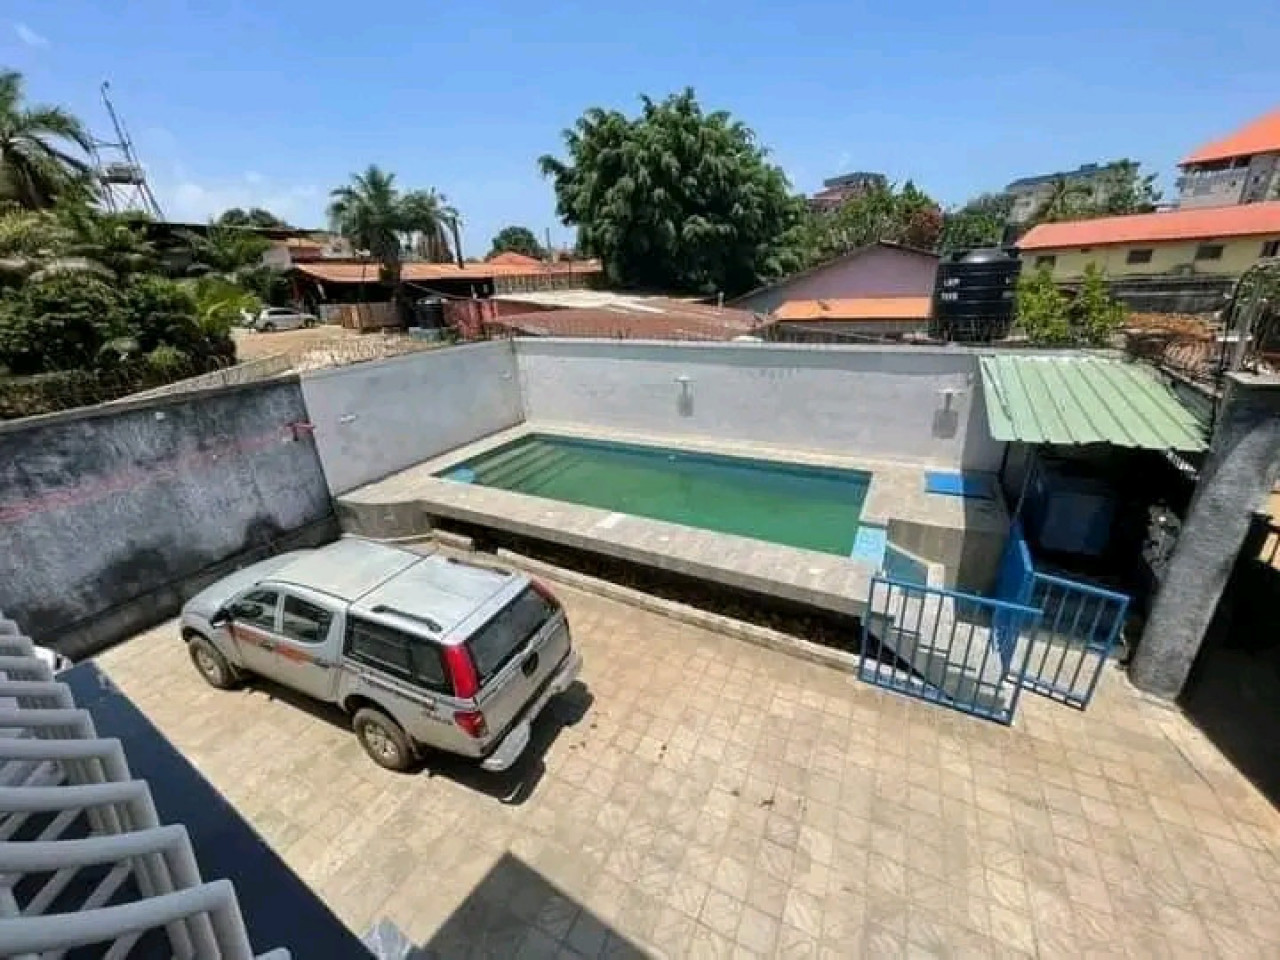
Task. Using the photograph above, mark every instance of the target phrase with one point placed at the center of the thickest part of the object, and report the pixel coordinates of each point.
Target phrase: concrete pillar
(1239, 472)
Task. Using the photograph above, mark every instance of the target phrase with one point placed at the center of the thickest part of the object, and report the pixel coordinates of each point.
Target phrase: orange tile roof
(347, 271)
(1260, 136)
(1248, 220)
(857, 308)
(511, 258)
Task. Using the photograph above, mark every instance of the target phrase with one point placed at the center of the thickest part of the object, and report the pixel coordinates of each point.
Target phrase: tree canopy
(517, 239)
(253, 217)
(1121, 188)
(979, 222)
(883, 213)
(43, 149)
(675, 197)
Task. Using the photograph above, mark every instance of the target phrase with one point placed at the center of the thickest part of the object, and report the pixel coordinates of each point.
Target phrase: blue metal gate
(1077, 631)
(950, 648)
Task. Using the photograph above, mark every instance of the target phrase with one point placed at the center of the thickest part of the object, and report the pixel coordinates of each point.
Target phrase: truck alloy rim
(378, 741)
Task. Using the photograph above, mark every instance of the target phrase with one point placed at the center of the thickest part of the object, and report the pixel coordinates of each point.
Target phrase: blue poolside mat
(975, 486)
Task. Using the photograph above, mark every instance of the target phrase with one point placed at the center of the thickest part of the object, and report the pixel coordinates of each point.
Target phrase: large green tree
(516, 239)
(1121, 188)
(253, 217)
(884, 213)
(979, 222)
(43, 149)
(674, 198)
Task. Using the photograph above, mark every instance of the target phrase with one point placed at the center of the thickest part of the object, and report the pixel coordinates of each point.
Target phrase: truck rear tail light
(462, 671)
(471, 722)
(542, 590)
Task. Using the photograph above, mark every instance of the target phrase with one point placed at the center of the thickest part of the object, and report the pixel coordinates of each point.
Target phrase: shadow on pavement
(512, 912)
(513, 786)
(279, 909)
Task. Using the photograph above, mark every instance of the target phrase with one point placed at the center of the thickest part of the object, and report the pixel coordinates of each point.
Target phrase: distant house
(1028, 194)
(851, 318)
(836, 191)
(1207, 241)
(600, 314)
(1242, 167)
(878, 272)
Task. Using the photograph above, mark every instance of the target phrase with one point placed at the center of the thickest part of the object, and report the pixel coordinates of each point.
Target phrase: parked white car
(283, 318)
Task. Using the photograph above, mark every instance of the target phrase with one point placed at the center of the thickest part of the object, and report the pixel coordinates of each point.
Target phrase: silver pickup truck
(422, 651)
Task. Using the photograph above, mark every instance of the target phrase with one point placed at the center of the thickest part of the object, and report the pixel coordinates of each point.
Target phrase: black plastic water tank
(430, 313)
(974, 294)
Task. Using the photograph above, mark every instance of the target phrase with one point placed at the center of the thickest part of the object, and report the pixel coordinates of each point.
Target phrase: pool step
(492, 463)
(535, 468)
(512, 472)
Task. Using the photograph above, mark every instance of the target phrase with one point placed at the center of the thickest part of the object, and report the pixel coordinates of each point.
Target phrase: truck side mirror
(221, 617)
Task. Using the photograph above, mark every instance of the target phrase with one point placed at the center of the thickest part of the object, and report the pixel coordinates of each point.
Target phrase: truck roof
(398, 586)
(347, 569)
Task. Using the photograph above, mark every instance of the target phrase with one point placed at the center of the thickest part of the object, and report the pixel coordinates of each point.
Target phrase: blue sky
(274, 102)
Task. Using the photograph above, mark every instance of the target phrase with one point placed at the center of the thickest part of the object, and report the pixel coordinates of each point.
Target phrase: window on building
(1270, 249)
(1046, 261)
(1138, 256)
(1209, 251)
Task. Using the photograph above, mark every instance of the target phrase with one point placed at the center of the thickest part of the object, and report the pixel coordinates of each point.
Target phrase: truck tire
(211, 664)
(382, 739)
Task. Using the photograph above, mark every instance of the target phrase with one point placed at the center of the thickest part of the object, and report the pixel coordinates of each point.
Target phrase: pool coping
(822, 580)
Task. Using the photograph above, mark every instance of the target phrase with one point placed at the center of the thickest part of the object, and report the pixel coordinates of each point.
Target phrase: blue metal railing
(955, 649)
(1077, 632)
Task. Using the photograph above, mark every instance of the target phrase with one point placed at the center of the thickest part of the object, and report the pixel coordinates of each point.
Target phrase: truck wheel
(212, 665)
(382, 739)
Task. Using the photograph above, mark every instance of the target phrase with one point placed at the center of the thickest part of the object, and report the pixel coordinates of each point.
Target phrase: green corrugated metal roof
(1075, 399)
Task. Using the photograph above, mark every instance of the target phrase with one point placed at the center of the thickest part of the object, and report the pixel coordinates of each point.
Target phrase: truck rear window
(399, 654)
(494, 644)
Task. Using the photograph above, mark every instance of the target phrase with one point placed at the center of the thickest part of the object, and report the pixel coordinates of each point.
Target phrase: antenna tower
(123, 178)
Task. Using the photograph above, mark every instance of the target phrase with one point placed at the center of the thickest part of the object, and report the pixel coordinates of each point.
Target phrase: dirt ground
(251, 345)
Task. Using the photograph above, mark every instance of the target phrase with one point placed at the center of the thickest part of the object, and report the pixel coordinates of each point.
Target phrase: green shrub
(60, 322)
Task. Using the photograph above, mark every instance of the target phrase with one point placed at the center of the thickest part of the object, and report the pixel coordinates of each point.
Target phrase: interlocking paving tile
(717, 799)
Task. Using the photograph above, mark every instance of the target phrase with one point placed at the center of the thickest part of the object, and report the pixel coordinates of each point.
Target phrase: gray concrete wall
(1241, 469)
(879, 402)
(372, 419)
(110, 517)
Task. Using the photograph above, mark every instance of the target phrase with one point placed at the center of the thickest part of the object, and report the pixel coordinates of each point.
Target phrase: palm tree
(1064, 201)
(430, 218)
(369, 212)
(375, 216)
(35, 165)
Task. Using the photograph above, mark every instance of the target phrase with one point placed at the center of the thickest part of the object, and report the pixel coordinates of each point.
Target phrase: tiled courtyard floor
(714, 799)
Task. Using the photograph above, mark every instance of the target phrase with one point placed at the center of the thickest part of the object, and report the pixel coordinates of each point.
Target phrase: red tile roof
(1205, 223)
(654, 319)
(857, 308)
(1260, 136)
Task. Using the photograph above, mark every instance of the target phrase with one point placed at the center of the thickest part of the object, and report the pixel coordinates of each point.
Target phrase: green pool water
(812, 507)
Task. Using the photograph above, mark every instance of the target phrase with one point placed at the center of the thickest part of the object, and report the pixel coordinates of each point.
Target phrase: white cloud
(191, 200)
(29, 36)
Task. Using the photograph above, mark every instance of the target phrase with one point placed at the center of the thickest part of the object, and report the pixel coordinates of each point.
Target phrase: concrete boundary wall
(373, 419)
(897, 403)
(112, 516)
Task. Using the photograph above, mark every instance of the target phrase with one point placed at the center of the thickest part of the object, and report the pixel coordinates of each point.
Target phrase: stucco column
(1239, 472)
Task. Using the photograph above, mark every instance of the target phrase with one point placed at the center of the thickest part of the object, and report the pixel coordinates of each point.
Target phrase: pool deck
(401, 505)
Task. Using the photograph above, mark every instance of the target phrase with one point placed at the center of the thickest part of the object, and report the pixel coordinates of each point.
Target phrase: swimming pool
(817, 508)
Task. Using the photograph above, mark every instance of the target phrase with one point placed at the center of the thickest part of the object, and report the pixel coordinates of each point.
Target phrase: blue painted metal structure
(946, 647)
(1076, 633)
